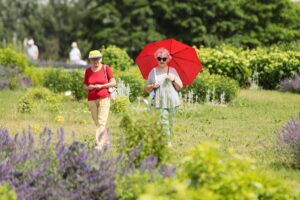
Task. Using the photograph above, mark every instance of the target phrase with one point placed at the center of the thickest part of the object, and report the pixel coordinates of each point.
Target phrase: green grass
(248, 125)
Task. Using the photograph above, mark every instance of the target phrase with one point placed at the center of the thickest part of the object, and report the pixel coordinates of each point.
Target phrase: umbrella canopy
(184, 59)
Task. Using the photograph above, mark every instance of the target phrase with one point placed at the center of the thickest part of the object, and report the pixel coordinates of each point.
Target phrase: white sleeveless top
(166, 96)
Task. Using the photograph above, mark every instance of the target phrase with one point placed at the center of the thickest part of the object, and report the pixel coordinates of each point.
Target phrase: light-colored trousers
(100, 110)
(167, 119)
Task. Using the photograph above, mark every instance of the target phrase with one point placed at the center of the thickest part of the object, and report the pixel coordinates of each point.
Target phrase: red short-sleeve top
(98, 77)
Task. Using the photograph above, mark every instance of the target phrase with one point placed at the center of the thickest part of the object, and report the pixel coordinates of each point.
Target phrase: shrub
(6, 193)
(132, 186)
(210, 173)
(76, 79)
(220, 84)
(26, 103)
(289, 141)
(36, 75)
(226, 61)
(146, 133)
(10, 58)
(58, 81)
(120, 104)
(292, 85)
(55, 170)
(271, 64)
(116, 57)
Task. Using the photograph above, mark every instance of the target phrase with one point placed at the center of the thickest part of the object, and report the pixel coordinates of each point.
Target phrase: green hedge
(272, 64)
(58, 80)
(219, 84)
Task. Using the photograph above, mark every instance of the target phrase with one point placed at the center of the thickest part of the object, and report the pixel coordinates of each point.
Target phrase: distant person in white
(32, 50)
(75, 55)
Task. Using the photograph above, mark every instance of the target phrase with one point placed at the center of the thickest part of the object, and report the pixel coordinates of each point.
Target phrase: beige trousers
(100, 110)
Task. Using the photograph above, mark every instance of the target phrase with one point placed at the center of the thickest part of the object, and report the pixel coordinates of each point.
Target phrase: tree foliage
(129, 24)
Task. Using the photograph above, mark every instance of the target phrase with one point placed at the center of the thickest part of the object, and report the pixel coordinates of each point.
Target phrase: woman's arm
(177, 84)
(112, 82)
(151, 86)
(88, 87)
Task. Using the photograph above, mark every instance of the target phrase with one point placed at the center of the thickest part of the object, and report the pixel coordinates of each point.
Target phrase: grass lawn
(248, 125)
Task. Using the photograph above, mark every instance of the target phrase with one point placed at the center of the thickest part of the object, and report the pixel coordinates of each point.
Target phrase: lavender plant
(12, 77)
(43, 169)
(289, 141)
(292, 85)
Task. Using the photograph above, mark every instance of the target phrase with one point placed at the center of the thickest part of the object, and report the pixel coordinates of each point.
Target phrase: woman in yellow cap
(97, 81)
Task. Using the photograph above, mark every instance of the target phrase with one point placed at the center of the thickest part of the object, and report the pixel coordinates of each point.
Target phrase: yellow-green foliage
(116, 57)
(225, 61)
(6, 193)
(34, 95)
(210, 173)
(36, 75)
(272, 64)
(9, 57)
(146, 129)
(120, 104)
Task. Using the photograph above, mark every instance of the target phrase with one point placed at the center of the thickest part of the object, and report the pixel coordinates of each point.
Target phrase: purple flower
(289, 138)
(58, 171)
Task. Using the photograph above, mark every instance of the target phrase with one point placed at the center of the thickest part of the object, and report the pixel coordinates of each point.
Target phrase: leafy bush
(271, 64)
(116, 57)
(291, 85)
(146, 133)
(6, 193)
(132, 186)
(120, 104)
(10, 58)
(274, 65)
(34, 95)
(210, 173)
(76, 79)
(25, 105)
(58, 81)
(289, 142)
(44, 169)
(36, 75)
(220, 84)
(226, 61)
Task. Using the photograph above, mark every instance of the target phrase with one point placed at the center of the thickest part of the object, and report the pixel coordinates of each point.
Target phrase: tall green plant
(146, 133)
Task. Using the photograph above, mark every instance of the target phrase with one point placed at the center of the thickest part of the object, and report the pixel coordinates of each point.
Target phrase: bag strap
(105, 73)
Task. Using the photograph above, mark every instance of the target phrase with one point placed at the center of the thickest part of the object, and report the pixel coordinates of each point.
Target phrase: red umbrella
(184, 59)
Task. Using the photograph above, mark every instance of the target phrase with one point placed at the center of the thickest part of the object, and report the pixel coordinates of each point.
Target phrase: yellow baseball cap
(95, 54)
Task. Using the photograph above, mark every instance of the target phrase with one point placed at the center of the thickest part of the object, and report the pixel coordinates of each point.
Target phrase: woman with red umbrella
(163, 84)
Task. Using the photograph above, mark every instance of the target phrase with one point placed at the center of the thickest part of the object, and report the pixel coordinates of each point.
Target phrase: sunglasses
(161, 59)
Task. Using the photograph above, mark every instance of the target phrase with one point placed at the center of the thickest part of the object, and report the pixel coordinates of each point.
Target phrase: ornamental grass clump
(39, 168)
(289, 142)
